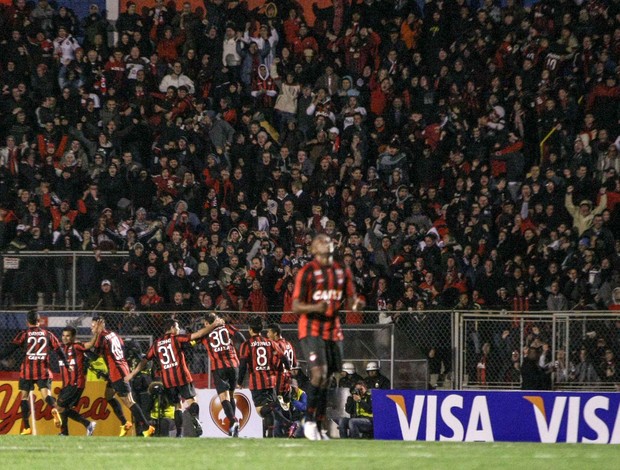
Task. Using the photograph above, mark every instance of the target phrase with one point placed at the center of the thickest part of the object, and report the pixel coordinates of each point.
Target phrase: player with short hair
(284, 377)
(175, 375)
(261, 356)
(110, 346)
(35, 369)
(323, 287)
(73, 373)
(225, 367)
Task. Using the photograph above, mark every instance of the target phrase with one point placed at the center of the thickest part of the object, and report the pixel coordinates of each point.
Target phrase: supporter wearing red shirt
(168, 45)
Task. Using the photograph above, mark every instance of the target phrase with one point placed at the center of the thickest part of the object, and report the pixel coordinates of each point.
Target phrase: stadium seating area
(461, 153)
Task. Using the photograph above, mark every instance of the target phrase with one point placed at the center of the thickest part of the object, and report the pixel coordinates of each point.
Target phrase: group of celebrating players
(323, 288)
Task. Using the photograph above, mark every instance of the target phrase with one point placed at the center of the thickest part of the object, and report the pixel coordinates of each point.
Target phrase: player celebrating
(261, 356)
(177, 380)
(73, 380)
(322, 287)
(110, 346)
(283, 378)
(225, 367)
(36, 366)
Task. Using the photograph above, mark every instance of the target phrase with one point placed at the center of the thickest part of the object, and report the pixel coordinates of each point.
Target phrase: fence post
(553, 348)
(455, 319)
(521, 338)
(567, 333)
(392, 354)
(73, 279)
(209, 375)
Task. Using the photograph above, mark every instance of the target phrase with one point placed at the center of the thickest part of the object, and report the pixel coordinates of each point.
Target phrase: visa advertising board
(515, 416)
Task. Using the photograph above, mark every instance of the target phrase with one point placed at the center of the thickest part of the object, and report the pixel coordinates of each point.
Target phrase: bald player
(323, 288)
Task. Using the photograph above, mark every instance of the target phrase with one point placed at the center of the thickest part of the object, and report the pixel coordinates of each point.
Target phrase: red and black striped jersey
(39, 343)
(168, 351)
(315, 283)
(285, 349)
(260, 355)
(110, 346)
(221, 349)
(72, 367)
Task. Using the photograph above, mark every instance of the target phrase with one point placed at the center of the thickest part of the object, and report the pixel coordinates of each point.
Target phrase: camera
(355, 392)
(157, 389)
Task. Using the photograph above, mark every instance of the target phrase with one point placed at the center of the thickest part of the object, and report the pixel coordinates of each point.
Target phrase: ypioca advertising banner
(91, 406)
(497, 416)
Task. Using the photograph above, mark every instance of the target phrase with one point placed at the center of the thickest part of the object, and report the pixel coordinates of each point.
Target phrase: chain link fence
(398, 358)
(440, 349)
(586, 351)
(577, 350)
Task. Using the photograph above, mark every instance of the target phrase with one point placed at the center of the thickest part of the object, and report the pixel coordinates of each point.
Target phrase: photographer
(359, 407)
(299, 404)
(159, 409)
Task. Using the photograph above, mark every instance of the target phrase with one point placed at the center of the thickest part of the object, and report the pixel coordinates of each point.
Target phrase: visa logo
(428, 415)
(576, 415)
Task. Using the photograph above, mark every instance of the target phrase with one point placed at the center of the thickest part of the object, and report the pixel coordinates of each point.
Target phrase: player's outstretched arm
(139, 368)
(302, 307)
(91, 342)
(207, 329)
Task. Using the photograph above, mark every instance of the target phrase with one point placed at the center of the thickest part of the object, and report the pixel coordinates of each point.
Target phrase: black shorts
(175, 394)
(121, 387)
(69, 396)
(263, 397)
(225, 379)
(320, 352)
(28, 385)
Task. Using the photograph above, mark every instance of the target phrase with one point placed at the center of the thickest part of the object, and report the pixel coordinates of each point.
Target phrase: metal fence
(490, 348)
(443, 349)
(398, 359)
(55, 279)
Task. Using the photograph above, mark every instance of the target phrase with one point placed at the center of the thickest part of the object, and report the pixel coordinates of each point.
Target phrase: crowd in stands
(461, 153)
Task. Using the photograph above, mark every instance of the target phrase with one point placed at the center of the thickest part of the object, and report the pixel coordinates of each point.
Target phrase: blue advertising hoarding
(515, 416)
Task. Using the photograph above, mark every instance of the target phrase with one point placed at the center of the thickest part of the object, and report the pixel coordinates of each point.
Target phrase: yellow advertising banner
(92, 406)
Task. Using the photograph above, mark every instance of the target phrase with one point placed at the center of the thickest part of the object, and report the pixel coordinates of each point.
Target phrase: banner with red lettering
(92, 406)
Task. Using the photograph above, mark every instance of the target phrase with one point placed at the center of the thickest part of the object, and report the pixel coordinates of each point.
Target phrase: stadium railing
(54, 280)
(491, 345)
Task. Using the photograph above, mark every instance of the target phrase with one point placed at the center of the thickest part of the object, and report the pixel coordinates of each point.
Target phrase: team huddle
(323, 288)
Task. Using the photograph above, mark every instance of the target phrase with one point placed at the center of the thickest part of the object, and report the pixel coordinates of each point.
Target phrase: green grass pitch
(78, 453)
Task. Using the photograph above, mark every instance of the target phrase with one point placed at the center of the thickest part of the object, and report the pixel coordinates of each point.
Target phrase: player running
(175, 375)
(110, 346)
(322, 288)
(35, 368)
(73, 373)
(261, 356)
(225, 367)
